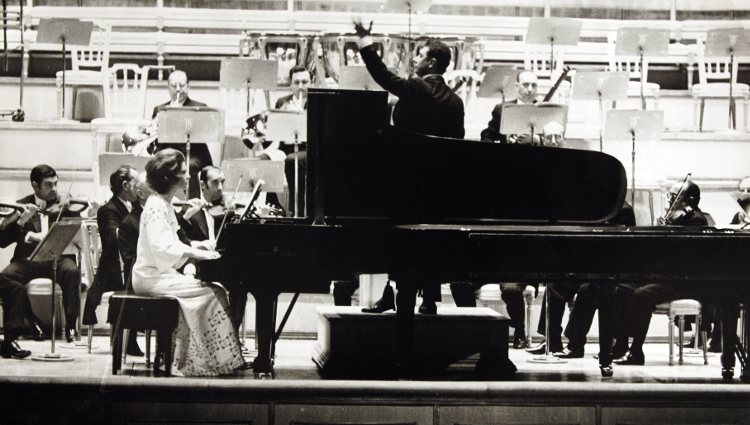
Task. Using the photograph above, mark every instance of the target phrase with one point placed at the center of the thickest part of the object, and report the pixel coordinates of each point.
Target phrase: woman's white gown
(205, 340)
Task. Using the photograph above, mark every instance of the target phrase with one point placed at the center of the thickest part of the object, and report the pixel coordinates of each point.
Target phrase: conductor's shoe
(568, 353)
(385, 303)
(636, 359)
(380, 306)
(11, 350)
(133, 349)
(428, 307)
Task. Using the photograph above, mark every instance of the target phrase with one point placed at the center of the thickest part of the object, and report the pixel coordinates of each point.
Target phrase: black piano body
(426, 209)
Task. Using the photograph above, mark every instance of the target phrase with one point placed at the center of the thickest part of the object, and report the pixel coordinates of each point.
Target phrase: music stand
(250, 170)
(499, 80)
(65, 32)
(59, 236)
(630, 125)
(192, 124)
(601, 86)
(527, 119)
(289, 127)
(248, 74)
(553, 31)
(642, 42)
(357, 78)
(723, 42)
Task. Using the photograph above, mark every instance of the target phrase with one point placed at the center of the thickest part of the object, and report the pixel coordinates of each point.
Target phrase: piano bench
(139, 312)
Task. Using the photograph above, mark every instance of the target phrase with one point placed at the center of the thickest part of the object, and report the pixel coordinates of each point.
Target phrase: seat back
(715, 69)
(467, 79)
(629, 64)
(95, 56)
(91, 249)
(538, 61)
(125, 91)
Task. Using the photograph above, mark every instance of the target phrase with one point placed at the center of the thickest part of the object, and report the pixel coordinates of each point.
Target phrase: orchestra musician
(526, 84)
(206, 343)
(43, 208)
(683, 210)
(127, 231)
(426, 105)
(108, 218)
(743, 199)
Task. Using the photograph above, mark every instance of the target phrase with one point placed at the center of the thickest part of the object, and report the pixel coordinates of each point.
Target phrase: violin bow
(679, 192)
(62, 203)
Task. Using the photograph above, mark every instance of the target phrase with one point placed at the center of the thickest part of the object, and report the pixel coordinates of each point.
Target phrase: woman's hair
(164, 170)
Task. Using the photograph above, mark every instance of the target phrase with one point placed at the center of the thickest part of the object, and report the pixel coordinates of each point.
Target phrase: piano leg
(405, 303)
(606, 326)
(264, 332)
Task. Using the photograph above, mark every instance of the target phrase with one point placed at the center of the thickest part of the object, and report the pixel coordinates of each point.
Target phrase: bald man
(526, 84)
(178, 85)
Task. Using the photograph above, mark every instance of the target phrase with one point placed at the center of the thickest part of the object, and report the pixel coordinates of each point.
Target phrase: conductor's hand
(360, 29)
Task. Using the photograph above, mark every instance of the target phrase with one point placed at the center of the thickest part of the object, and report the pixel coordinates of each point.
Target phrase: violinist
(683, 210)
(206, 215)
(43, 208)
(743, 199)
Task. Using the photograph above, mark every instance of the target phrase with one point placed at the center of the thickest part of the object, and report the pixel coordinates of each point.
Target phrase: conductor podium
(355, 344)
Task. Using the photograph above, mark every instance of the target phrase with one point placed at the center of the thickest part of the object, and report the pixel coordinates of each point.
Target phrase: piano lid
(359, 167)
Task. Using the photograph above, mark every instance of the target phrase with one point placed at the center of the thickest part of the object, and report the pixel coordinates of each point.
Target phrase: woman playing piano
(205, 339)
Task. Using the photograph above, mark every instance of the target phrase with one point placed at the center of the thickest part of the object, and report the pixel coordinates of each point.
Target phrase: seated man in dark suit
(526, 83)
(108, 217)
(27, 232)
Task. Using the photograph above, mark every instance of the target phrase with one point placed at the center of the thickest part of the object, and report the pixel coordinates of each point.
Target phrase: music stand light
(191, 124)
(289, 127)
(728, 42)
(65, 32)
(248, 74)
(500, 80)
(601, 86)
(528, 119)
(357, 78)
(49, 250)
(629, 125)
(553, 31)
(642, 42)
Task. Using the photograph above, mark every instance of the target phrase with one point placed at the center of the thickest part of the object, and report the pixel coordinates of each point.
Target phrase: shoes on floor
(35, 332)
(385, 303)
(542, 349)
(428, 307)
(714, 346)
(133, 349)
(11, 350)
(71, 335)
(635, 359)
(520, 342)
(568, 353)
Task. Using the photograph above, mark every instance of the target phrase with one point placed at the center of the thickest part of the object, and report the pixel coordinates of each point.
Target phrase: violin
(71, 206)
(678, 209)
(7, 209)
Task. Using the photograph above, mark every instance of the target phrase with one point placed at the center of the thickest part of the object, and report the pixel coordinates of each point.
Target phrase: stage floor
(293, 362)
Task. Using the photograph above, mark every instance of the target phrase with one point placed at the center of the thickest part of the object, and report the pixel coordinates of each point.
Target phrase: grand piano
(428, 209)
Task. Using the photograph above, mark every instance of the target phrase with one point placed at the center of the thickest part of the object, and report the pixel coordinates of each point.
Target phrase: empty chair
(88, 63)
(632, 65)
(714, 81)
(679, 309)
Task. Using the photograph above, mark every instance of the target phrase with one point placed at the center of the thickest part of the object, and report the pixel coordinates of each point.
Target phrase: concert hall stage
(84, 391)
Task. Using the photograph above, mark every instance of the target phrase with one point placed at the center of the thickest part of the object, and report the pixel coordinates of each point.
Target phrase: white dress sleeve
(166, 249)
